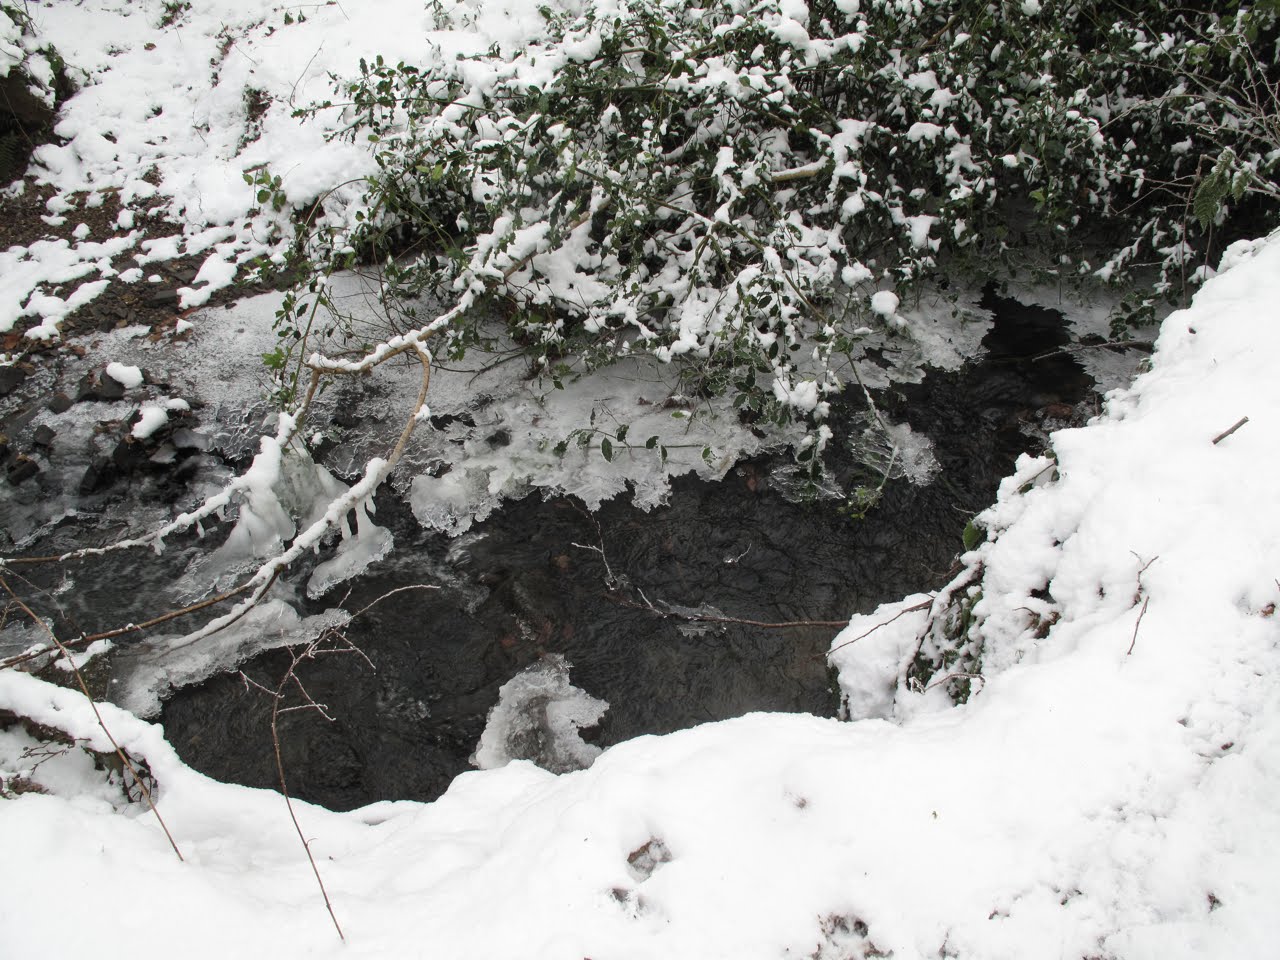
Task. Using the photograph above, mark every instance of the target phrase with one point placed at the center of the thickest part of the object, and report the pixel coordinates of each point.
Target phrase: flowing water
(544, 577)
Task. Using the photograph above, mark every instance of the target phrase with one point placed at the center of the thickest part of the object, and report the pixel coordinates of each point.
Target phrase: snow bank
(1108, 792)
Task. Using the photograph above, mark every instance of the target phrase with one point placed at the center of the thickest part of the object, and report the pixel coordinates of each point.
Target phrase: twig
(958, 675)
(611, 580)
(284, 785)
(1141, 613)
(1230, 430)
(93, 638)
(310, 652)
(922, 605)
(742, 621)
(84, 688)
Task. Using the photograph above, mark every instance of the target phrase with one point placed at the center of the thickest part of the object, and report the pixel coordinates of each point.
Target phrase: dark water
(522, 589)
(532, 581)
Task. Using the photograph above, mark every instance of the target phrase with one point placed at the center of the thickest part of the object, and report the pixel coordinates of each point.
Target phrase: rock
(23, 468)
(60, 403)
(99, 388)
(128, 455)
(11, 377)
(43, 435)
(99, 474)
(162, 298)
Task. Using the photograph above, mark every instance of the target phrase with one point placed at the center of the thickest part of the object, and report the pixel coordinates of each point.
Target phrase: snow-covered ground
(1108, 791)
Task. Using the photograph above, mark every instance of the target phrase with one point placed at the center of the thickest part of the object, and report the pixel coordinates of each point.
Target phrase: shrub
(730, 184)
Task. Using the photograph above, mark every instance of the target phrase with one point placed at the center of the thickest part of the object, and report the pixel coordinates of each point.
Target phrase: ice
(355, 552)
(539, 716)
(147, 672)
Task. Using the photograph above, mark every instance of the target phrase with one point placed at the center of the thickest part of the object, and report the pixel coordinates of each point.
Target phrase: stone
(99, 388)
(11, 377)
(98, 475)
(22, 469)
(43, 435)
(128, 455)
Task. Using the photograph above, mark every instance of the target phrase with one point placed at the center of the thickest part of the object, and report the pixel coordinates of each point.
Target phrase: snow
(150, 419)
(124, 374)
(1089, 800)
(884, 303)
(1107, 790)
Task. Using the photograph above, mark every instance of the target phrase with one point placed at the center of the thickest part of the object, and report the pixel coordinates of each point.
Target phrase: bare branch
(922, 605)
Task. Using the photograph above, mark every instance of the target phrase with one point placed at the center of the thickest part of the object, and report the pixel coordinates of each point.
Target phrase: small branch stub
(1230, 430)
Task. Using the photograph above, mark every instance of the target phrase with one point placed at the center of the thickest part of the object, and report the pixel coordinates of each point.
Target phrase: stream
(405, 690)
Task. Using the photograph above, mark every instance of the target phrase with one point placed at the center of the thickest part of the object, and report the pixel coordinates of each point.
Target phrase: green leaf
(621, 434)
(606, 449)
(972, 536)
(1209, 196)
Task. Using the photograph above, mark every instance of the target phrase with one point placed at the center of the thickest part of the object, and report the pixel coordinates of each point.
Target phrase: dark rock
(60, 403)
(99, 388)
(11, 377)
(43, 435)
(23, 468)
(129, 455)
(99, 474)
(162, 298)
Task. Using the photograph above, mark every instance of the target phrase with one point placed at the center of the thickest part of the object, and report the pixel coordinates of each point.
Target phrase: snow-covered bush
(740, 186)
